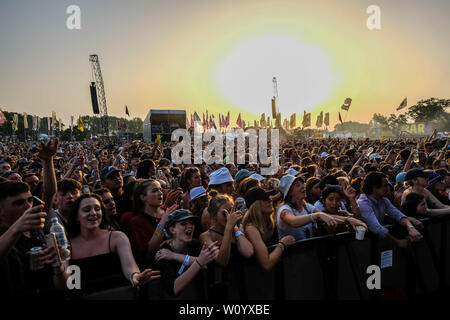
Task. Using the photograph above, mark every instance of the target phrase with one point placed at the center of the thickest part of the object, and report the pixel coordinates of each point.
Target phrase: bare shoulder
(118, 237)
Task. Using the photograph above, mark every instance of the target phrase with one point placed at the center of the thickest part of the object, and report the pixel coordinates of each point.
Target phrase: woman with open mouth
(103, 256)
(183, 280)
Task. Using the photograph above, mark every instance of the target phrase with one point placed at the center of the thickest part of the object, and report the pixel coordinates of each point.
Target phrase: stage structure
(163, 122)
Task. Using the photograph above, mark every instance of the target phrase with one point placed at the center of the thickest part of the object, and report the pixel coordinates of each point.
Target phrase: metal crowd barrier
(334, 267)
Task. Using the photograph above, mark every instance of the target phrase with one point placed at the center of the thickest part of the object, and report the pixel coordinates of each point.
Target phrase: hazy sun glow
(304, 75)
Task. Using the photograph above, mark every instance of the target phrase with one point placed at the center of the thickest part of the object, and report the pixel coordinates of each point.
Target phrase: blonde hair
(246, 185)
(262, 222)
(217, 201)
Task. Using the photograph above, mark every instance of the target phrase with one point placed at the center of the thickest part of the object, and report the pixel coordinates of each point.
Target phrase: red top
(141, 229)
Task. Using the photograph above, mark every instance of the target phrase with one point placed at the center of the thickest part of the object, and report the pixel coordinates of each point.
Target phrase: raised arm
(46, 153)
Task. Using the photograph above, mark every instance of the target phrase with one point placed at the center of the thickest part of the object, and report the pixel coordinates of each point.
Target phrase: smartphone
(159, 173)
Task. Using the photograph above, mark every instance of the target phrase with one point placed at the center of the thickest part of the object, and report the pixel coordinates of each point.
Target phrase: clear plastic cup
(360, 231)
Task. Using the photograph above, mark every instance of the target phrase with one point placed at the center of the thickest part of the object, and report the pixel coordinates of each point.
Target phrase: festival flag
(80, 124)
(278, 120)
(348, 101)
(187, 123)
(14, 123)
(2, 117)
(158, 139)
(204, 122)
(307, 120)
(285, 124)
(274, 108)
(53, 119)
(344, 107)
(243, 125)
(403, 104)
(239, 121)
(262, 121)
(48, 124)
(340, 118)
(228, 119)
(126, 111)
(25, 120)
(319, 121)
(60, 125)
(256, 124)
(327, 119)
(192, 121)
(293, 121)
(207, 120)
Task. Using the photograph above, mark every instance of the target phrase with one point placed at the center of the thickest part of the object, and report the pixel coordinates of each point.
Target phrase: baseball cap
(324, 155)
(415, 173)
(197, 192)
(434, 177)
(400, 178)
(374, 155)
(255, 194)
(220, 176)
(106, 171)
(179, 215)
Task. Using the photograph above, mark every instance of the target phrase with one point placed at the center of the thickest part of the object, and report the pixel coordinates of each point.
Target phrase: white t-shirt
(299, 233)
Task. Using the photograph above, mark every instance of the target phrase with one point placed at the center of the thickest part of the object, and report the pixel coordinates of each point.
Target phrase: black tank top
(100, 272)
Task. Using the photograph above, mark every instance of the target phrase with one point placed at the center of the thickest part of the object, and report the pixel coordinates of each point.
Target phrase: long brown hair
(264, 223)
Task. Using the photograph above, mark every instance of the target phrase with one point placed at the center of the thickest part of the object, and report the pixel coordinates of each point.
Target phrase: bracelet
(185, 263)
(131, 278)
(280, 245)
(163, 230)
(196, 260)
(411, 227)
(312, 220)
(238, 233)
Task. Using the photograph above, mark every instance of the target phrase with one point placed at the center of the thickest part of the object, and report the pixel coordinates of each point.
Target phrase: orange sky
(222, 55)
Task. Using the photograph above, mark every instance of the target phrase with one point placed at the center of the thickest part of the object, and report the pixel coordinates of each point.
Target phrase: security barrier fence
(333, 267)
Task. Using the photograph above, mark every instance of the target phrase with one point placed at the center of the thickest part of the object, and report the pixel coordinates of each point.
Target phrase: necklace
(216, 231)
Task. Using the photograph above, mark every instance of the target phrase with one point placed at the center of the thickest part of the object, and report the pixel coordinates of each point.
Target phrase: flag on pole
(327, 119)
(262, 121)
(293, 121)
(2, 117)
(274, 108)
(25, 120)
(344, 107)
(80, 124)
(126, 111)
(228, 119)
(197, 118)
(348, 101)
(187, 123)
(239, 121)
(403, 104)
(192, 121)
(307, 120)
(53, 119)
(158, 139)
(319, 121)
(340, 118)
(14, 122)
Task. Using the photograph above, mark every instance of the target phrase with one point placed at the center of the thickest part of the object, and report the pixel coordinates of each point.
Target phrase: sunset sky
(221, 55)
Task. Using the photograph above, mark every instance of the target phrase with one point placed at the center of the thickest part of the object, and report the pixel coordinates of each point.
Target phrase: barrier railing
(334, 267)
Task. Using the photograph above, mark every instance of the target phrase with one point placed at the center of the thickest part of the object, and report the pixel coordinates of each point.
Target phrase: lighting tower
(97, 77)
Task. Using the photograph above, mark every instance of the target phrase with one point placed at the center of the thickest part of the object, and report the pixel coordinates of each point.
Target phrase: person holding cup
(332, 198)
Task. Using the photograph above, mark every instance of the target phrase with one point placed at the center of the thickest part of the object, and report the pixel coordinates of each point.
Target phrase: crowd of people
(131, 215)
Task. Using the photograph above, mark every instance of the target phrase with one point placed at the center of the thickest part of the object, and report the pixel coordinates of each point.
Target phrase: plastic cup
(360, 231)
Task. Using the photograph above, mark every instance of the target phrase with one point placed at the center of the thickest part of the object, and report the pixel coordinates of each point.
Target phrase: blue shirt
(373, 212)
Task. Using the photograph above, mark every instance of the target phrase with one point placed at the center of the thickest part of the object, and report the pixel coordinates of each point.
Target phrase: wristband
(131, 278)
(312, 220)
(163, 230)
(196, 260)
(238, 233)
(185, 263)
(280, 245)
(411, 227)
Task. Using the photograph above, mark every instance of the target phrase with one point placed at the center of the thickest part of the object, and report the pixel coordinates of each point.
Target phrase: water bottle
(61, 238)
